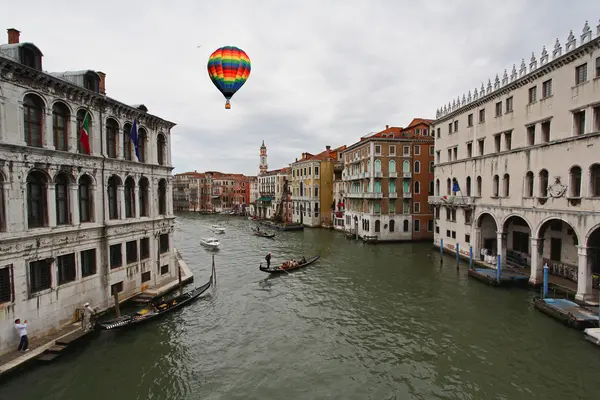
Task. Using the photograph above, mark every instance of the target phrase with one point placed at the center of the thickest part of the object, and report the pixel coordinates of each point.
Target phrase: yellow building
(312, 187)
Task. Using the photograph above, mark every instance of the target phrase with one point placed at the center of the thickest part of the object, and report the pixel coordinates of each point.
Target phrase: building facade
(517, 170)
(191, 192)
(76, 226)
(387, 180)
(254, 195)
(274, 202)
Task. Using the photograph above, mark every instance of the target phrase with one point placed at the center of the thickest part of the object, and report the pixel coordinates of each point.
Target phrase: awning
(265, 199)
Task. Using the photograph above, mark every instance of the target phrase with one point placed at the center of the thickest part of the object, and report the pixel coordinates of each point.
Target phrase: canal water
(365, 322)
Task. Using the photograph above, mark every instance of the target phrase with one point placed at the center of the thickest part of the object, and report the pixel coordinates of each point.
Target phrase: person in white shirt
(87, 316)
(22, 328)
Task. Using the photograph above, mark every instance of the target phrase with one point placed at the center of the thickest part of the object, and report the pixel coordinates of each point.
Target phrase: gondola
(263, 234)
(156, 308)
(281, 269)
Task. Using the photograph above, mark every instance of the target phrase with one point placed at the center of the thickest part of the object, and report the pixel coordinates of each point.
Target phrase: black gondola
(263, 234)
(282, 269)
(157, 308)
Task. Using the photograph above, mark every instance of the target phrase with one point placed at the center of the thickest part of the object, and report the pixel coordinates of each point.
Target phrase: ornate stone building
(76, 227)
(517, 168)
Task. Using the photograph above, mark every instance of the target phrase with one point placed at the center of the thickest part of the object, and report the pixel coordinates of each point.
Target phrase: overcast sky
(323, 72)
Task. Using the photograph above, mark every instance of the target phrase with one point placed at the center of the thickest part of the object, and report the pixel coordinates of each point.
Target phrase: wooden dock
(507, 278)
(567, 312)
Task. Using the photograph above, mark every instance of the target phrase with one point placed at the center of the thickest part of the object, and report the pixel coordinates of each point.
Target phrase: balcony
(407, 175)
(378, 174)
(393, 195)
(393, 174)
(373, 195)
(460, 201)
(407, 195)
(355, 195)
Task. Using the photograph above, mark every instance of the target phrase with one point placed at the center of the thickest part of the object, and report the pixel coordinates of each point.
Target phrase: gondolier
(268, 258)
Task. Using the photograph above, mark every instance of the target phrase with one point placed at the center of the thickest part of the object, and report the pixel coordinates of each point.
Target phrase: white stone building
(76, 227)
(273, 190)
(524, 151)
(254, 194)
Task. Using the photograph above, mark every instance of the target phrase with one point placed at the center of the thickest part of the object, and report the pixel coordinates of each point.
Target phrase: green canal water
(365, 322)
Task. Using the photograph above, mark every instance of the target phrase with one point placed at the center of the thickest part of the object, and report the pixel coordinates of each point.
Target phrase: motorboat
(217, 229)
(211, 243)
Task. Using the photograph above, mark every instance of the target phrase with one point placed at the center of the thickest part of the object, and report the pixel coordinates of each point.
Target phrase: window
(547, 89)
(112, 129)
(127, 141)
(417, 150)
(470, 120)
(480, 143)
(449, 154)
(596, 127)
(80, 119)
(66, 268)
(532, 94)
(579, 123)
(417, 169)
(142, 139)
(497, 141)
(431, 167)
(405, 225)
(468, 216)
(85, 199)
(417, 225)
(164, 243)
(88, 263)
(40, 276)
(116, 256)
(439, 133)
(129, 198)
(431, 150)
(378, 150)
(482, 116)
(33, 116)
(392, 150)
(392, 166)
(430, 225)
(164, 269)
(543, 183)
(60, 124)
(116, 288)
(455, 126)
(450, 128)
(377, 226)
(63, 211)
(131, 251)
(2, 205)
(113, 204)
(144, 248)
(437, 187)
(37, 215)
(406, 207)
(507, 141)
(455, 151)
(581, 74)
(478, 192)
(162, 197)
(146, 276)
(406, 150)
(545, 132)
(468, 238)
(509, 104)
(597, 67)
(417, 187)
(417, 207)
(499, 109)
(595, 180)
(143, 197)
(468, 186)
(438, 156)
(316, 171)
(531, 135)
(575, 181)
(6, 284)
(161, 146)
(496, 188)
(392, 225)
(529, 184)
(506, 185)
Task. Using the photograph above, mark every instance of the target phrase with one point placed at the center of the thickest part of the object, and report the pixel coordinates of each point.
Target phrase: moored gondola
(263, 234)
(286, 267)
(157, 308)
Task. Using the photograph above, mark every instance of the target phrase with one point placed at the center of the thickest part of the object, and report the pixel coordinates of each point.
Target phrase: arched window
(61, 192)
(127, 142)
(161, 146)
(377, 186)
(543, 183)
(417, 167)
(113, 203)
(496, 186)
(529, 184)
(142, 139)
(377, 226)
(405, 225)
(448, 186)
(437, 187)
(37, 210)
(60, 125)
(33, 117)
(143, 197)
(392, 225)
(417, 187)
(112, 129)
(431, 188)
(377, 165)
(129, 198)
(405, 166)
(162, 197)
(2, 205)
(506, 185)
(80, 120)
(392, 166)
(575, 181)
(595, 180)
(86, 210)
(468, 186)
(478, 192)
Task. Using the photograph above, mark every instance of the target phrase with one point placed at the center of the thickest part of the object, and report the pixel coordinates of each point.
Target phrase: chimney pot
(13, 36)
(328, 147)
(387, 127)
(102, 86)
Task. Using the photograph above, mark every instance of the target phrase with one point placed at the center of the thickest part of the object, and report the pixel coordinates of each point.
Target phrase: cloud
(323, 72)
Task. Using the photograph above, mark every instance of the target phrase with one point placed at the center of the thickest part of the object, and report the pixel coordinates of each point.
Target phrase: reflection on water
(364, 322)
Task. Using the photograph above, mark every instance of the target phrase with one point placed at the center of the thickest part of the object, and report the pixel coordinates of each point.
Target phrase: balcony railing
(373, 195)
(407, 195)
(355, 195)
(451, 200)
(407, 175)
(393, 195)
(378, 174)
(393, 174)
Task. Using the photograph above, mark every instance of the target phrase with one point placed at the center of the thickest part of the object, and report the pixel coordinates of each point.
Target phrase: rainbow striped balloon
(228, 68)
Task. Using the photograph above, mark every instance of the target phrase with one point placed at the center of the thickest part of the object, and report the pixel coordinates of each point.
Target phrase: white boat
(217, 229)
(211, 243)
(593, 335)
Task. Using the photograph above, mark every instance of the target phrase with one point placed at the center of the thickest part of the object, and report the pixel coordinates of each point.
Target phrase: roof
(331, 154)
(398, 133)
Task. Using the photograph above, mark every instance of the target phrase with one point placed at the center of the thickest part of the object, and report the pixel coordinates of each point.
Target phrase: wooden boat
(156, 308)
(263, 234)
(567, 312)
(370, 239)
(211, 243)
(285, 268)
(217, 229)
(592, 335)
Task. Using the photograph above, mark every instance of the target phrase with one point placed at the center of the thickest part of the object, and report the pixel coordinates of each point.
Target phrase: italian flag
(84, 136)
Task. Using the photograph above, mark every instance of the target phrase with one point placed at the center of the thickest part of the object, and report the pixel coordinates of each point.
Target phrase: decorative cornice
(516, 80)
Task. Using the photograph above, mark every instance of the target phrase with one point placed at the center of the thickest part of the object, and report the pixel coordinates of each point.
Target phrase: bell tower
(263, 159)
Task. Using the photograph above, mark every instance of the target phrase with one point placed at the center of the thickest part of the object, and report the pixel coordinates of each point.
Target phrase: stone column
(584, 275)
(74, 203)
(537, 273)
(51, 202)
(501, 251)
(73, 134)
(136, 191)
(476, 243)
(120, 153)
(121, 201)
(48, 134)
(169, 199)
(21, 127)
(3, 122)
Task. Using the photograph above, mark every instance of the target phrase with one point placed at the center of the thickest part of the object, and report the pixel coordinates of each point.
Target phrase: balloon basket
(227, 106)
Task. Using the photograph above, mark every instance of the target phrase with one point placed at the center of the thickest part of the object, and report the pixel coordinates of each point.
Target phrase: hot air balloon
(228, 68)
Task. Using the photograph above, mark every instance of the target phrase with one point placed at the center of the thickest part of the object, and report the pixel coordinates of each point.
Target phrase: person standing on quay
(87, 316)
(22, 328)
(268, 258)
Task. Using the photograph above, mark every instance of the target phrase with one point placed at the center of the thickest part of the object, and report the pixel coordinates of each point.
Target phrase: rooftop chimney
(328, 147)
(387, 127)
(102, 87)
(13, 36)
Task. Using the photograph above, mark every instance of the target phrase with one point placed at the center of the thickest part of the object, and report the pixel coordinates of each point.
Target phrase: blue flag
(134, 138)
(455, 187)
